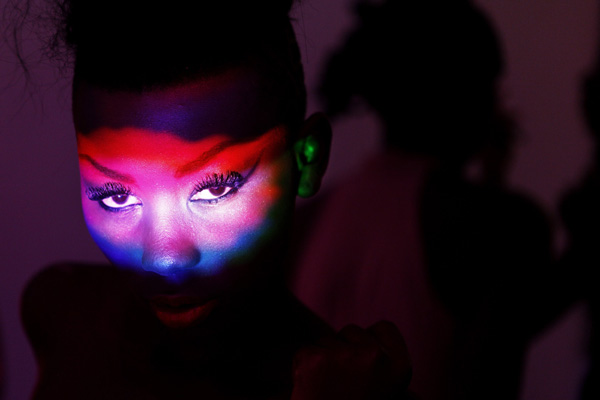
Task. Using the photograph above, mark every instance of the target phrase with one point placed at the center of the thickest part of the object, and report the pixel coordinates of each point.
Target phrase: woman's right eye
(119, 201)
(113, 196)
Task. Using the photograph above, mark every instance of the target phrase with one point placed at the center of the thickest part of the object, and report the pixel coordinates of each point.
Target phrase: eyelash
(98, 193)
(231, 179)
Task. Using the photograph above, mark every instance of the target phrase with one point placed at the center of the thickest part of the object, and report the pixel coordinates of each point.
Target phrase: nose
(170, 258)
(168, 248)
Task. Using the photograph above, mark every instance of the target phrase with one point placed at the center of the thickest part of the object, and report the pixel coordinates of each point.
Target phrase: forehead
(136, 148)
(232, 104)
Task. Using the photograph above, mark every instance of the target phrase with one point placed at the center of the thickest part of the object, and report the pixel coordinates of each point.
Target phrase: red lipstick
(178, 312)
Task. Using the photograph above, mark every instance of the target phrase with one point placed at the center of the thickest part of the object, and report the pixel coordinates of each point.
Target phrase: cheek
(238, 226)
(111, 233)
(251, 215)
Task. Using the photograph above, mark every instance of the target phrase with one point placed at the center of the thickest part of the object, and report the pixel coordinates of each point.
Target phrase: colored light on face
(166, 205)
(157, 201)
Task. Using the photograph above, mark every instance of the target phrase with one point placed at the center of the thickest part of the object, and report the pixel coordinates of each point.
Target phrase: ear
(312, 153)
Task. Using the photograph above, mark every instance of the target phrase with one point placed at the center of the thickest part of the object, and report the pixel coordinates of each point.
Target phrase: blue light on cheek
(122, 257)
(212, 261)
(244, 249)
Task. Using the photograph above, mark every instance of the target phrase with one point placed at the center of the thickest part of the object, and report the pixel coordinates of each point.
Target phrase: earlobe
(312, 153)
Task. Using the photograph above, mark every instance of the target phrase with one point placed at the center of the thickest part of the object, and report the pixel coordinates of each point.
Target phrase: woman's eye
(119, 201)
(216, 187)
(212, 193)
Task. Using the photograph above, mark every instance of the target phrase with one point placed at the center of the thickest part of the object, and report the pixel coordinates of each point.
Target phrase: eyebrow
(205, 157)
(185, 169)
(111, 173)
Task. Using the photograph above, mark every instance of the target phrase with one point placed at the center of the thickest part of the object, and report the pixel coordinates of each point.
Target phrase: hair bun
(136, 23)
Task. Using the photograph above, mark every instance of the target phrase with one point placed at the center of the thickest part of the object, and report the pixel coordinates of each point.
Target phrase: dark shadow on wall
(427, 234)
(581, 214)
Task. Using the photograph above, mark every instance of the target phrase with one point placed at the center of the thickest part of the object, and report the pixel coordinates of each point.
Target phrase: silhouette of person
(193, 144)
(425, 234)
(579, 210)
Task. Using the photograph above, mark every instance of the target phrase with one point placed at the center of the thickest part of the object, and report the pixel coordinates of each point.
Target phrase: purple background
(549, 45)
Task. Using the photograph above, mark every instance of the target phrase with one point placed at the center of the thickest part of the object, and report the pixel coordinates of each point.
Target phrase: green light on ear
(309, 183)
(311, 149)
(307, 151)
(298, 146)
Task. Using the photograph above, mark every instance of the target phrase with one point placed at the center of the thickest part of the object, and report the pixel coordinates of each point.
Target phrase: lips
(178, 312)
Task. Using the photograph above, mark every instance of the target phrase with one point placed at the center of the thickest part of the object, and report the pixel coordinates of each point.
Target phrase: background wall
(549, 45)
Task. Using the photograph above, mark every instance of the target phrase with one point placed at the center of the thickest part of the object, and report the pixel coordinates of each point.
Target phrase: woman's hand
(357, 363)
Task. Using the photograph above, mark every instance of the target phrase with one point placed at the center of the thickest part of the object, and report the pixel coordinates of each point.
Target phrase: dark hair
(136, 45)
(428, 69)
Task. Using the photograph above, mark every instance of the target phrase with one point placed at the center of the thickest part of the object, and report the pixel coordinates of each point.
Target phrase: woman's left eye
(120, 201)
(212, 193)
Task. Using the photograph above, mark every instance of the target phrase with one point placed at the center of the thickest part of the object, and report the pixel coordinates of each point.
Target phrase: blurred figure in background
(581, 215)
(426, 234)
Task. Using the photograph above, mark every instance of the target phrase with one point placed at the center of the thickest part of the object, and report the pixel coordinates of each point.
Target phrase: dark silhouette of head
(428, 69)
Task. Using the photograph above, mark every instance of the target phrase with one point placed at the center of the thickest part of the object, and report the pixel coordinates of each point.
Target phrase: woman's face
(191, 184)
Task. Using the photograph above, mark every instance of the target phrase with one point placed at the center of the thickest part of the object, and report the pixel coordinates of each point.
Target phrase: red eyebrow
(196, 164)
(111, 173)
(185, 169)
